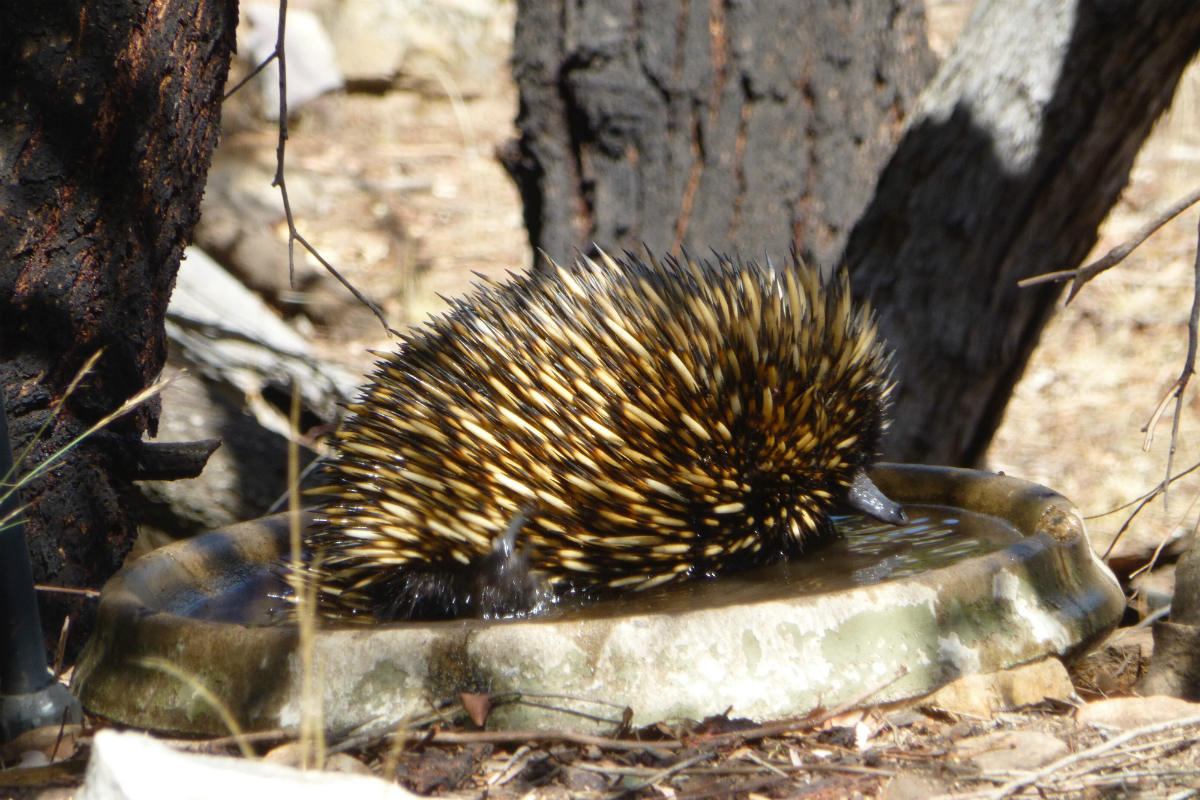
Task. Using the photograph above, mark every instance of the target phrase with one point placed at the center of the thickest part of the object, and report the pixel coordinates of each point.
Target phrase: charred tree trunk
(746, 128)
(1020, 147)
(108, 117)
(739, 127)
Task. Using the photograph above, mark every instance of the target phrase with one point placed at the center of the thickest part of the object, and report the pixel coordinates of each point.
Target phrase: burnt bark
(744, 128)
(1021, 146)
(108, 117)
(747, 128)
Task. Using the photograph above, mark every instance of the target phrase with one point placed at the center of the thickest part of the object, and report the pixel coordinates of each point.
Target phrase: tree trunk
(746, 128)
(1020, 147)
(741, 127)
(108, 117)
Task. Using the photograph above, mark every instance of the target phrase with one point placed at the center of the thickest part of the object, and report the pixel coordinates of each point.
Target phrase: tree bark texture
(109, 113)
(1021, 145)
(739, 127)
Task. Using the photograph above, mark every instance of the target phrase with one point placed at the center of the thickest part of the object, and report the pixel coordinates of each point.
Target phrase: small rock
(903, 717)
(1009, 751)
(983, 695)
(913, 787)
(291, 754)
(133, 766)
(42, 745)
(346, 764)
(1127, 713)
(584, 781)
(451, 46)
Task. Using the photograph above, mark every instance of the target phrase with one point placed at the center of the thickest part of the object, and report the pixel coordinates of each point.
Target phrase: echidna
(608, 425)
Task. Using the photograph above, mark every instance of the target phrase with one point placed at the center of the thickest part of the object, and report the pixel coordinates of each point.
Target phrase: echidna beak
(864, 496)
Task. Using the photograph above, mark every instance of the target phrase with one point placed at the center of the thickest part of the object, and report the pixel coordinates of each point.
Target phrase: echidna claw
(865, 497)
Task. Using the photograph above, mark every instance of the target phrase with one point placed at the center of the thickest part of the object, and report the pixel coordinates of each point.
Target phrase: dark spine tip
(865, 497)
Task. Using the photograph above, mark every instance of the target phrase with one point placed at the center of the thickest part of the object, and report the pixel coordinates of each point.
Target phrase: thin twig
(1176, 393)
(1145, 501)
(525, 695)
(1180, 386)
(663, 774)
(265, 63)
(750, 754)
(130, 404)
(512, 767)
(280, 181)
(10, 481)
(1084, 274)
(281, 144)
(362, 298)
(1150, 495)
(1163, 542)
(532, 735)
(641, 772)
(786, 726)
(1092, 752)
(221, 743)
(60, 651)
(41, 587)
(571, 711)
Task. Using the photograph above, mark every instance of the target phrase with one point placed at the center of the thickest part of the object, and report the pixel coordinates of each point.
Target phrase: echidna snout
(864, 497)
(598, 427)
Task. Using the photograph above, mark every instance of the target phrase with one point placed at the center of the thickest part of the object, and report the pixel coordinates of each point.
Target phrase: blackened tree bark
(749, 127)
(740, 127)
(1020, 147)
(108, 116)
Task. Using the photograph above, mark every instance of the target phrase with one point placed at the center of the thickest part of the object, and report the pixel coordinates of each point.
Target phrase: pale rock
(983, 695)
(448, 46)
(1127, 713)
(134, 766)
(312, 67)
(1010, 751)
(913, 787)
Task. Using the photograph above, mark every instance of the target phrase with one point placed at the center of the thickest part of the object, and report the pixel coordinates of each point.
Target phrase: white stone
(134, 766)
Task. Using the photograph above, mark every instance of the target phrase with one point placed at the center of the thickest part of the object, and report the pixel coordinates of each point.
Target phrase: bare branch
(1162, 545)
(294, 236)
(265, 63)
(1033, 776)
(1147, 496)
(1177, 389)
(1180, 386)
(1086, 273)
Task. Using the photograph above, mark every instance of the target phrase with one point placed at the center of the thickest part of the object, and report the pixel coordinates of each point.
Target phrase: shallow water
(867, 552)
(259, 597)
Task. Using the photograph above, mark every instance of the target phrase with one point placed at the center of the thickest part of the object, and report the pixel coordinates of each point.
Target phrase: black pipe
(29, 695)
